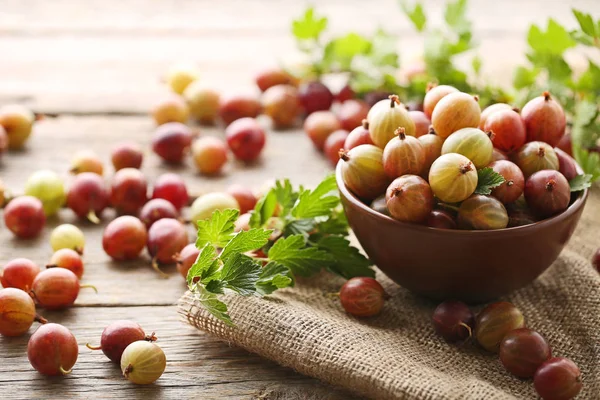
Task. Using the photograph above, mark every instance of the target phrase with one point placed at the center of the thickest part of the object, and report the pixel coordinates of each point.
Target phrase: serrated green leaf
(487, 179)
(218, 229)
(245, 241)
(336, 224)
(590, 80)
(580, 182)
(286, 197)
(476, 64)
(582, 38)
(340, 52)
(586, 22)
(212, 304)
(383, 50)
(555, 40)
(589, 162)
(416, 14)
(309, 26)
(455, 15)
(586, 113)
(264, 209)
(318, 202)
(205, 267)
(293, 253)
(349, 262)
(240, 274)
(272, 277)
(299, 226)
(524, 78)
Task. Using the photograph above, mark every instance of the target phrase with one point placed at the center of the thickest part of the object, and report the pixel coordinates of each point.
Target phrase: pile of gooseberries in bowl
(476, 206)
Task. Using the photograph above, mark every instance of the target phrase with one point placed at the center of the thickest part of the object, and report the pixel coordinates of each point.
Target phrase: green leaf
(212, 304)
(272, 277)
(240, 274)
(245, 241)
(264, 209)
(589, 162)
(205, 267)
(554, 41)
(524, 78)
(580, 182)
(299, 226)
(349, 262)
(586, 22)
(309, 26)
(286, 197)
(293, 253)
(455, 15)
(218, 229)
(487, 179)
(590, 80)
(318, 202)
(476, 64)
(341, 51)
(416, 14)
(336, 224)
(586, 113)
(383, 50)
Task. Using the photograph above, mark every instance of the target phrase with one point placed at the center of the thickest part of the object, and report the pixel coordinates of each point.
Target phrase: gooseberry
(455, 111)
(166, 238)
(482, 213)
(522, 351)
(514, 182)
(432, 148)
(566, 144)
(566, 164)
(351, 113)
(68, 259)
(547, 193)
(508, 130)
(129, 191)
(314, 96)
(494, 322)
(3, 140)
(486, 112)
(472, 143)
(172, 141)
(203, 102)
(204, 206)
(88, 196)
(319, 125)
(67, 236)
(281, 103)
(270, 77)
(380, 205)
(333, 144)
(409, 199)
(56, 288)
(172, 108)
(240, 106)
(434, 95)
(362, 171)
(362, 297)
(403, 155)
(52, 350)
(17, 312)
(242, 223)
(24, 217)
(558, 379)
(376, 96)
(180, 76)
(384, 119)
(422, 123)
(452, 177)
(143, 362)
(187, 257)
(544, 119)
(124, 238)
(3, 195)
(157, 209)
(244, 196)
(596, 260)
(453, 320)
(127, 155)
(346, 93)
(117, 336)
(440, 219)
(359, 135)
(17, 121)
(534, 157)
(209, 154)
(246, 139)
(19, 273)
(497, 155)
(171, 187)
(49, 188)
(86, 161)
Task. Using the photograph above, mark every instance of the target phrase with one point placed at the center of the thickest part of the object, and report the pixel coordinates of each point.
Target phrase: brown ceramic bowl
(473, 266)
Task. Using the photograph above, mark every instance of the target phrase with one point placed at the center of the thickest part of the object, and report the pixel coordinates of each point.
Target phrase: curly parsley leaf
(580, 182)
(487, 179)
(218, 229)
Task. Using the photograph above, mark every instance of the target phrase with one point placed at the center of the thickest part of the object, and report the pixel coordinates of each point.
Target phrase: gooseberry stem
(343, 155)
(64, 371)
(40, 319)
(93, 218)
(394, 100)
(550, 185)
(89, 346)
(88, 286)
(151, 338)
(128, 370)
(401, 133)
(467, 327)
(546, 95)
(157, 268)
(466, 168)
(365, 123)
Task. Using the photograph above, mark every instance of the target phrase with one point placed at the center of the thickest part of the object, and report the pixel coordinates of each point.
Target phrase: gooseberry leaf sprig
(293, 232)
(487, 179)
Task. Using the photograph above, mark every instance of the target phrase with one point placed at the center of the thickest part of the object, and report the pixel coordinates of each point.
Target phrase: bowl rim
(530, 228)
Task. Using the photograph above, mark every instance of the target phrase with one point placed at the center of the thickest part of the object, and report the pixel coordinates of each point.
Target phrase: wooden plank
(198, 366)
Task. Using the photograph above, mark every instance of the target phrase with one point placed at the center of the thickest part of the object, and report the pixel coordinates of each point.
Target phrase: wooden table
(94, 67)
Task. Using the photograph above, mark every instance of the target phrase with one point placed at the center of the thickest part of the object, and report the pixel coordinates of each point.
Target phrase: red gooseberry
(544, 119)
(514, 181)
(209, 154)
(403, 155)
(124, 238)
(234, 107)
(566, 164)
(345, 93)
(171, 187)
(127, 155)
(52, 350)
(455, 111)
(281, 104)
(432, 148)
(566, 144)
(86, 161)
(547, 193)
(508, 130)
(319, 125)
(558, 379)
(117, 336)
(129, 191)
(69, 259)
(17, 312)
(486, 112)
(422, 123)
(362, 297)
(359, 135)
(522, 351)
(246, 139)
(351, 113)
(24, 217)
(187, 257)
(453, 320)
(434, 95)
(88, 196)
(596, 260)
(534, 157)
(314, 96)
(56, 288)
(409, 199)
(274, 76)
(157, 209)
(244, 196)
(19, 273)
(333, 144)
(494, 322)
(166, 238)
(441, 220)
(482, 213)
(171, 141)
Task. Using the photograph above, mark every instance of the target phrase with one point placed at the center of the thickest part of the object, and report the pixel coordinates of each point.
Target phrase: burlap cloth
(397, 355)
